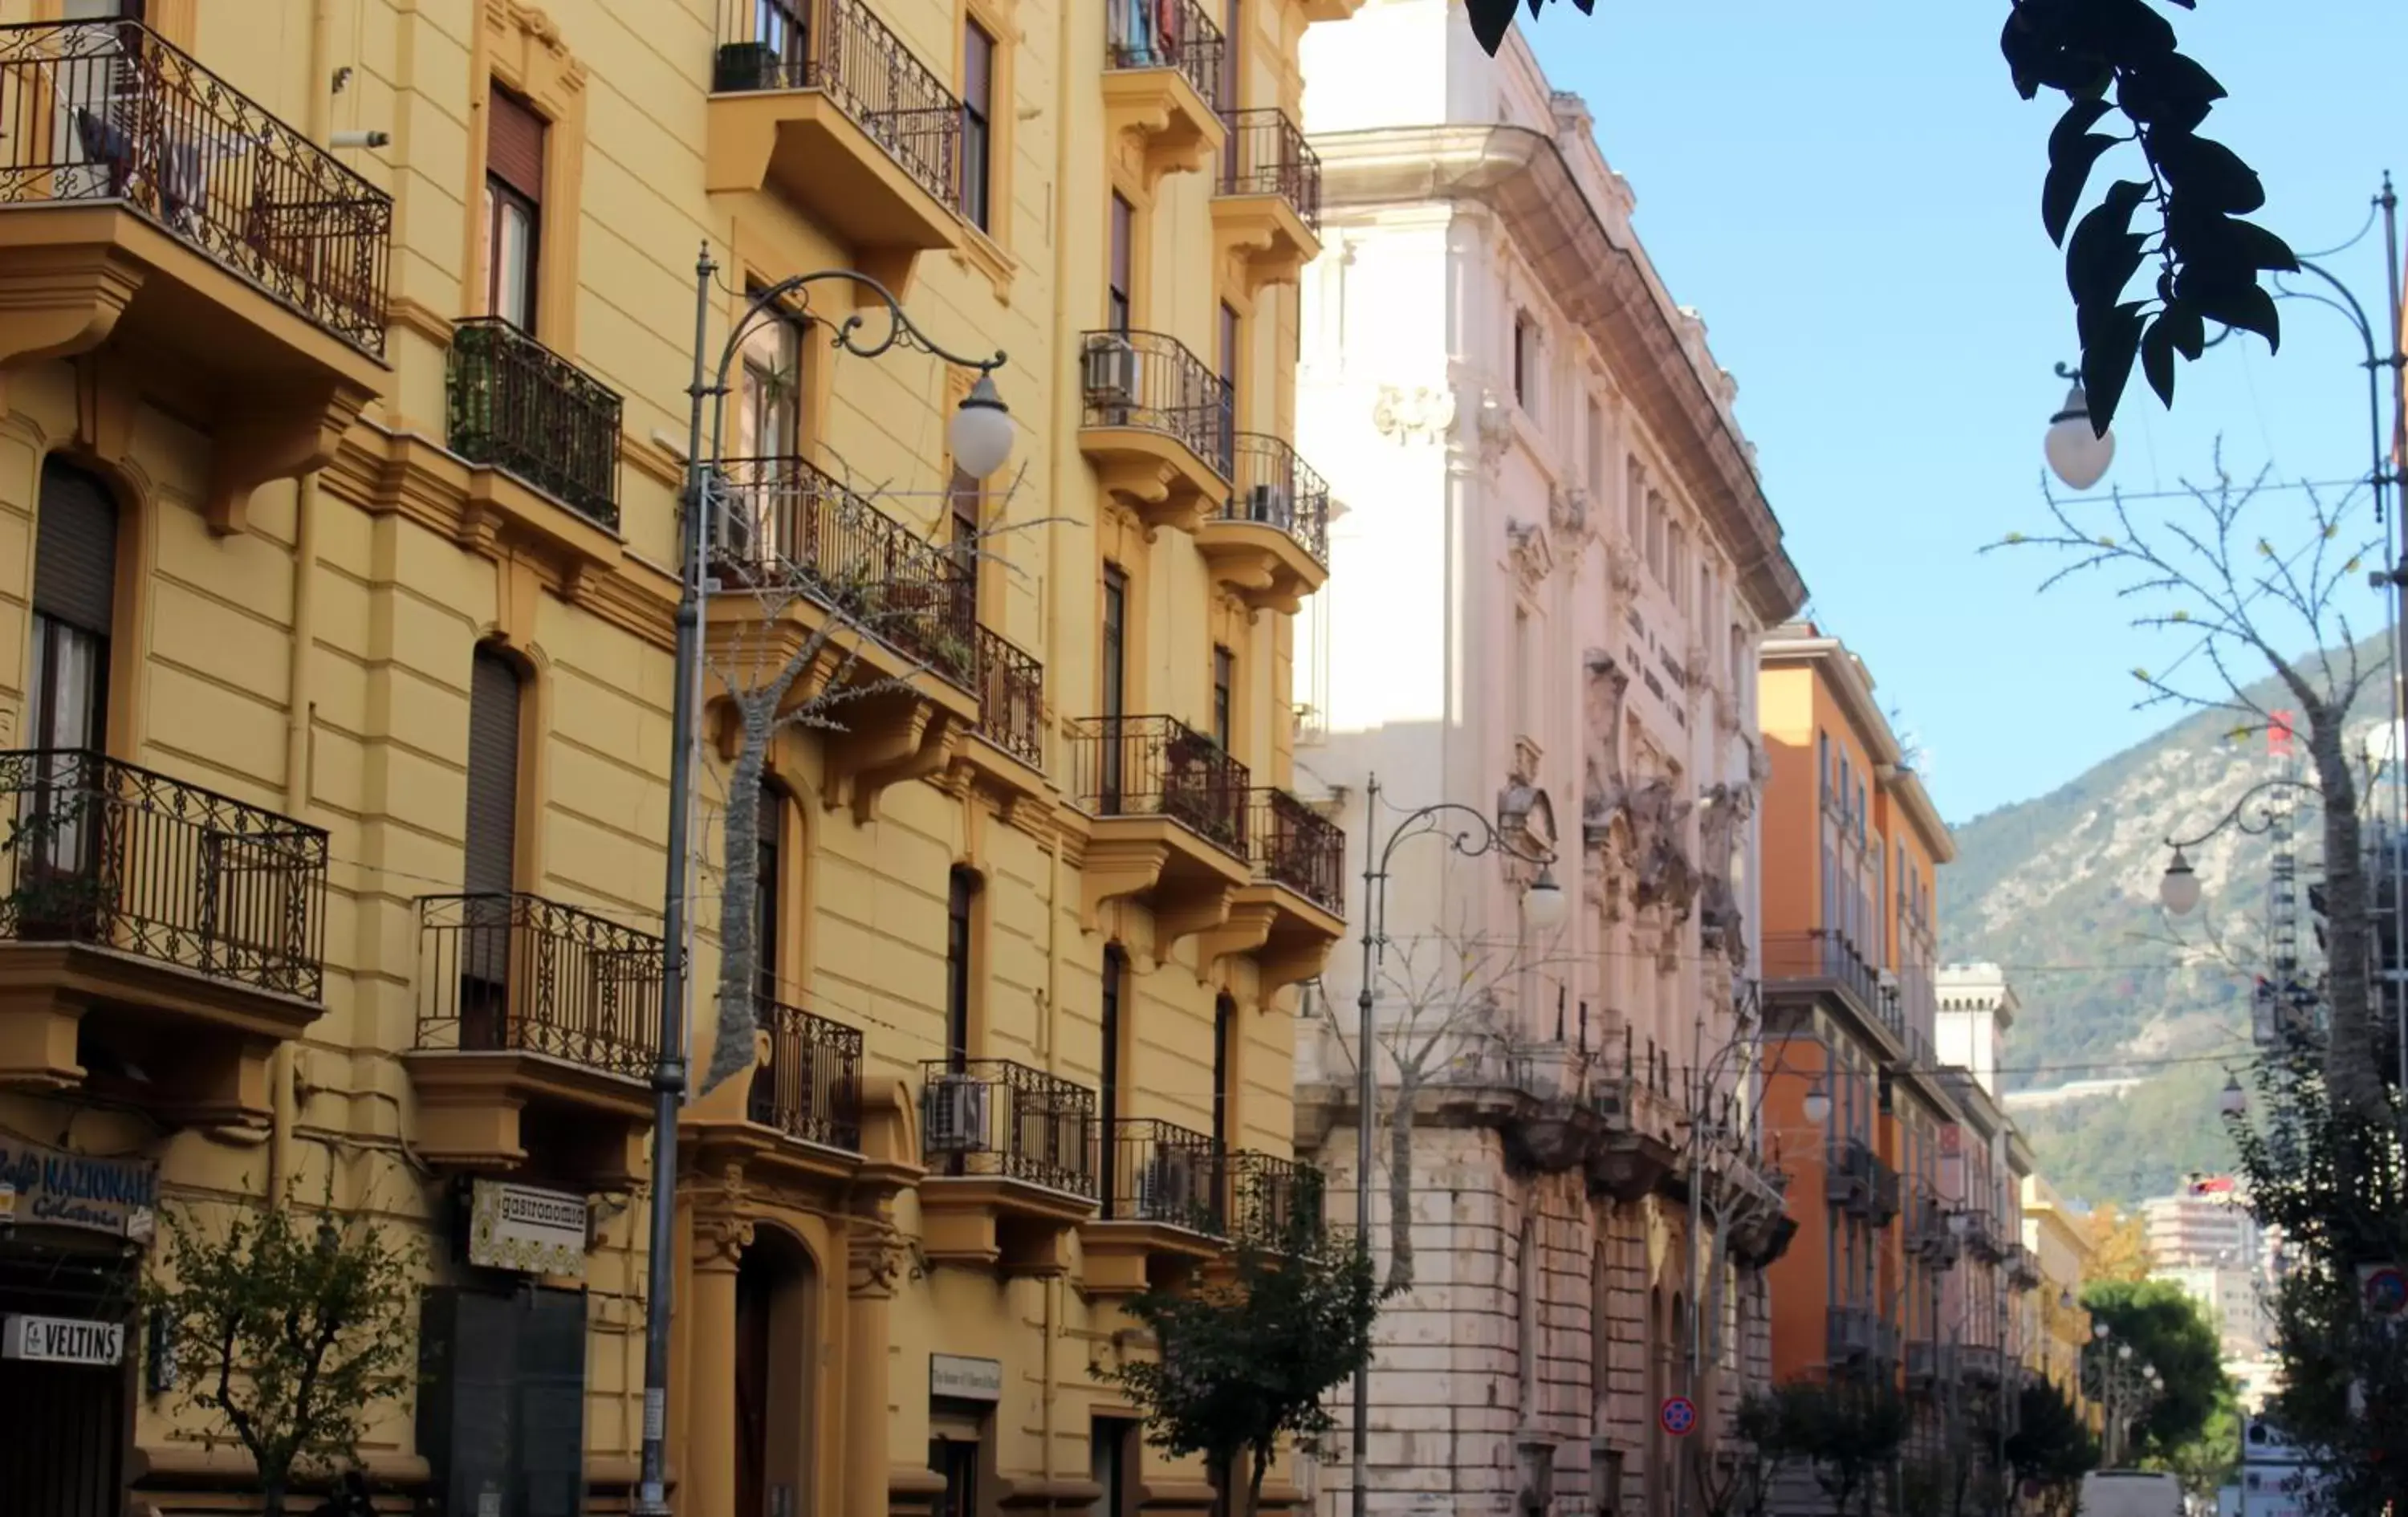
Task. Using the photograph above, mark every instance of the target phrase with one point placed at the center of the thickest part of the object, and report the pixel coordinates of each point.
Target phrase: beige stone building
(344, 359)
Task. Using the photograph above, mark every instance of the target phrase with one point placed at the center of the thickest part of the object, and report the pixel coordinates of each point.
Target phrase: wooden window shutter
(75, 550)
(514, 143)
(491, 866)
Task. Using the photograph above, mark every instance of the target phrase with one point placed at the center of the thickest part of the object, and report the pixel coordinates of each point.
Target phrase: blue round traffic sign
(1679, 1415)
(2387, 1291)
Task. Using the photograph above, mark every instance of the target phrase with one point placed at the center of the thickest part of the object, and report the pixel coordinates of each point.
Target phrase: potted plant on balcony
(744, 66)
(58, 892)
(1195, 786)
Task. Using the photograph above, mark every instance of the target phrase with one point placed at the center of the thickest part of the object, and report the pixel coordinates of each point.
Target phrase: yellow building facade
(344, 354)
(2059, 1330)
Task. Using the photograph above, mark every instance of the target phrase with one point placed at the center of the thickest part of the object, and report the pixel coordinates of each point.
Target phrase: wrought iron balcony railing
(521, 408)
(1151, 34)
(1848, 1174)
(1930, 1237)
(112, 856)
(1010, 686)
(1150, 382)
(1271, 1199)
(1267, 155)
(98, 110)
(520, 974)
(1159, 766)
(1276, 487)
(1847, 1334)
(1298, 847)
(1881, 1206)
(811, 1088)
(995, 1117)
(842, 50)
(1159, 1172)
(1827, 956)
(784, 522)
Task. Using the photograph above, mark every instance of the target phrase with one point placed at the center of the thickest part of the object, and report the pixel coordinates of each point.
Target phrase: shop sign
(521, 1228)
(50, 1187)
(61, 1340)
(965, 1380)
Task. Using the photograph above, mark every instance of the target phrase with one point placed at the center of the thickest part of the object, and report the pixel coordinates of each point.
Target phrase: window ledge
(982, 252)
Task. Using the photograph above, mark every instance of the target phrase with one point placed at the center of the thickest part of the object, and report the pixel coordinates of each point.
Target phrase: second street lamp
(2077, 454)
(980, 434)
(1470, 832)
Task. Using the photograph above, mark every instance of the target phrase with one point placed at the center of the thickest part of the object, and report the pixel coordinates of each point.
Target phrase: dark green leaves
(2073, 147)
(1492, 19)
(2093, 51)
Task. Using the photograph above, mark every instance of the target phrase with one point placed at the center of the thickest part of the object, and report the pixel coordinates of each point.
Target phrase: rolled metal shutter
(75, 549)
(514, 143)
(492, 863)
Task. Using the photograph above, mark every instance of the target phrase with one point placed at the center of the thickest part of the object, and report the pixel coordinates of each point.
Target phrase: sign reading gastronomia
(521, 1228)
(50, 1187)
(61, 1340)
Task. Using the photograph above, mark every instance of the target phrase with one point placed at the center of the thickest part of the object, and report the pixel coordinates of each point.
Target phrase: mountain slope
(2062, 890)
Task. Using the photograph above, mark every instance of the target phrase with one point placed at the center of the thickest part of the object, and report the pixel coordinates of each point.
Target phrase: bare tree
(1442, 1018)
(835, 608)
(2212, 570)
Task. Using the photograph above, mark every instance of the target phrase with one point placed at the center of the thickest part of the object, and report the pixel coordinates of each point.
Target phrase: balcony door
(75, 608)
(514, 151)
(776, 1352)
(1112, 664)
(1107, 1072)
(489, 862)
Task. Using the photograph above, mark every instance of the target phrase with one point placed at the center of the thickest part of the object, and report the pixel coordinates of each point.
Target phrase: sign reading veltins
(61, 1340)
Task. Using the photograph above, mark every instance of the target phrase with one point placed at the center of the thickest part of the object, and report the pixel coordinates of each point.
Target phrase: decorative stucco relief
(1417, 415)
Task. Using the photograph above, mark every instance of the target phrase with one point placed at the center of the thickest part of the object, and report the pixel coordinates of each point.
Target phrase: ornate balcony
(1294, 911)
(538, 1026)
(1270, 542)
(1982, 1363)
(1642, 1129)
(234, 270)
(818, 101)
(1266, 210)
(1824, 963)
(1162, 73)
(1157, 425)
(2023, 1267)
(545, 435)
(816, 584)
(1010, 697)
(1168, 826)
(1849, 1336)
(1164, 1206)
(1929, 1238)
(796, 1118)
(1981, 1239)
(156, 940)
(1011, 1154)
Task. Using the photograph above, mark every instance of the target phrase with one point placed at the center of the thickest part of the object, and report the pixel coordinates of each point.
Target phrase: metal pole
(1375, 887)
(2397, 989)
(669, 1073)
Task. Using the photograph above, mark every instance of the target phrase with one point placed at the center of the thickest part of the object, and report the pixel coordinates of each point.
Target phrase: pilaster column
(870, 1291)
(709, 1476)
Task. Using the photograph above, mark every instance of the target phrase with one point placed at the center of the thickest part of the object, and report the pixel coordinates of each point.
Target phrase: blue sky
(1849, 195)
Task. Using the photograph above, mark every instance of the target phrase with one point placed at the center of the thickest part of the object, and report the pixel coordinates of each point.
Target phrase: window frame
(981, 58)
(1120, 268)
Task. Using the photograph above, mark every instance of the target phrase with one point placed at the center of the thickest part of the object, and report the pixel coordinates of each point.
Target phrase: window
(514, 143)
(764, 888)
(965, 505)
(1225, 680)
(1655, 536)
(1120, 293)
(1114, 662)
(769, 405)
(1526, 1309)
(978, 125)
(1225, 83)
(1521, 662)
(75, 608)
(489, 866)
(960, 897)
(1225, 1028)
(1109, 1443)
(1229, 372)
(1108, 1063)
(1595, 455)
(1526, 363)
(1634, 498)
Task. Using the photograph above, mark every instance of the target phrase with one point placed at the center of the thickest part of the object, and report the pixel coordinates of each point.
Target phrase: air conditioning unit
(954, 1115)
(1110, 372)
(1270, 502)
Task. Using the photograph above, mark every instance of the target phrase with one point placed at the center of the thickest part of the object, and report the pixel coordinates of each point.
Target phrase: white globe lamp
(2179, 890)
(1543, 905)
(2077, 454)
(981, 431)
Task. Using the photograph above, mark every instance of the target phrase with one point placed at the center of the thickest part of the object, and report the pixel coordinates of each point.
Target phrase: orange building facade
(1868, 1128)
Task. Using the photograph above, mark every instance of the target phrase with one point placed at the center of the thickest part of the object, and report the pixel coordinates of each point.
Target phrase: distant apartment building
(2203, 1223)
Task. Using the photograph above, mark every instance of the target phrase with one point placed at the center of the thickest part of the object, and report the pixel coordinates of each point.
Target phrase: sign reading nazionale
(50, 1187)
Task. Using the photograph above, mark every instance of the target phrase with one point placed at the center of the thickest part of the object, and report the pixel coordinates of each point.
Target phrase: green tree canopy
(1245, 1362)
(2170, 1331)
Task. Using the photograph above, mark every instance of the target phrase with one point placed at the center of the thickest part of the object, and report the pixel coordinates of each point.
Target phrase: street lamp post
(981, 436)
(1543, 907)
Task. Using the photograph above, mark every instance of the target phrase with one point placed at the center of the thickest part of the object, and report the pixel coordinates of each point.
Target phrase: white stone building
(1545, 601)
